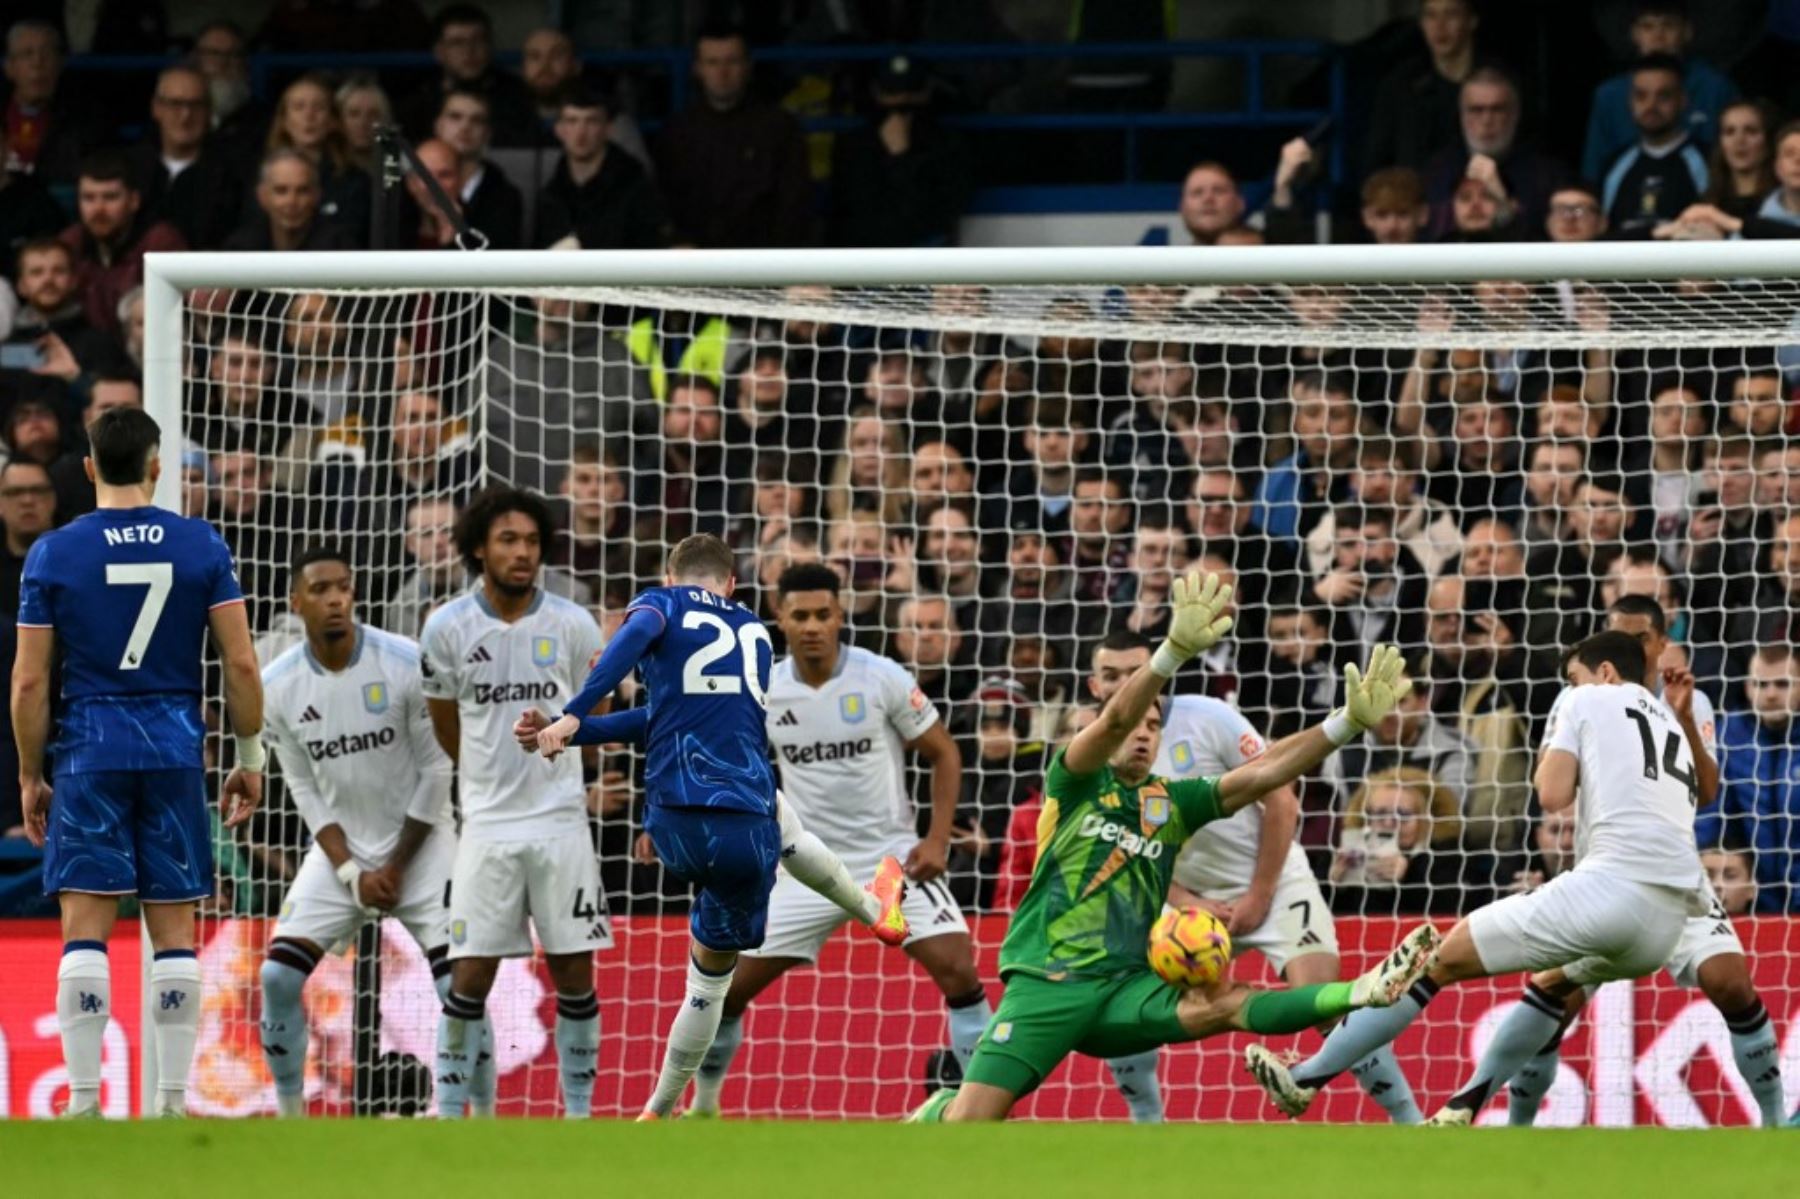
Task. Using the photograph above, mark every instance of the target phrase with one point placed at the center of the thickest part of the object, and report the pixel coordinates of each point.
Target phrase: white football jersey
(1205, 737)
(1705, 720)
(356, 747)
(1634, 819)
(494, 671)
(841, 748)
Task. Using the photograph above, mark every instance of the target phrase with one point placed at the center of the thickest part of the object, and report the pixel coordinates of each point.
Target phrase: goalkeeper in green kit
(1077, 978)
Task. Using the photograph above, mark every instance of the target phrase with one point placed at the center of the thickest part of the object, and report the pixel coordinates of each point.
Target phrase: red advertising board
(850, 1038)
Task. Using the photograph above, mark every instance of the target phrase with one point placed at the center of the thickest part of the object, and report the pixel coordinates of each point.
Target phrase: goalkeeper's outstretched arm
(1368, 696)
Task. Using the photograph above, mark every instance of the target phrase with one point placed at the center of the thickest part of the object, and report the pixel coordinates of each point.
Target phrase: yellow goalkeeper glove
(1196, 623)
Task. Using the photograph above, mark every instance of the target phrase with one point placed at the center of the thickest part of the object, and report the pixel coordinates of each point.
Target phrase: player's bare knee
(571, 973)
(1312, 968)
(950, 960)
(1725, 980)
(473, 978)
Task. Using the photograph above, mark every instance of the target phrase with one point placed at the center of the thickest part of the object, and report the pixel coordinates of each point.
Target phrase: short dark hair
(579, 94)
(466, 92)
(703, 556)
(460, 14)
(473, 523)
(1123, 641)
(808, 576)
(719, 31)
(1640, 605)
(108, 165)
(1660, 62)
(45, 245)
(1361, 516)
(26, 464)
(120, 442)
(692, 383)
(326, 551)
(1621, 649)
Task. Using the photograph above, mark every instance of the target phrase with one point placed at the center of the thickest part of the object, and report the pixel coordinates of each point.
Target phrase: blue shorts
(125, 832)
(731, 857)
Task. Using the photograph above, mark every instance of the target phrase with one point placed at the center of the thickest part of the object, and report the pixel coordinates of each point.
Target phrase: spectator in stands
(1725, 540)
(1565, 575)
(463, 44)
(870, 476)
(1374, 580)
(437, 218)
(684, 469)
(1033, 600)
(544, 389)
(1740, 171)
(1415, 115)
(47, 127)
(1485, 477)
(1007, 773)
(551, 70)
(1576, 214)
(1399, 851)
(362, 104)
(27, 511)
(1211, 204)
(322, 367)
(1759, 765)
(733, 167)
(1755, 402)
(1551, 853)
(1778, 215)
(1491, 550)
(1159, 553)
(1553, 473)
(927, 639)
(27, 211)
(34, 431)
(1386, 474)
(187, 178)
(256, 522)
(240, 120)
(1660, 471)
(1519, 178)
(1297, 685)
(940, 476)
(437, 575)
(1778, 477)
(1295, 491)
(1659, 28)
(111, 236)
(949, 565)
(902, 179)
(1145, 442)
(52, 317)
(306, 120)
(239, 405)
(489, 200)
(603, 197)
(1731, 869)
(287, 210)
(1566, 417)
(1219, 517)
(1408, 736)
(1098, 548)
(131, 319)
(1394, 211)
(1040, 489)
(895, 385)
(1664, 172)
(74, 491)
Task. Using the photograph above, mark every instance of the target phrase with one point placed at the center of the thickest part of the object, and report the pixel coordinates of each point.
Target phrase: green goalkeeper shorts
(1041, 1022)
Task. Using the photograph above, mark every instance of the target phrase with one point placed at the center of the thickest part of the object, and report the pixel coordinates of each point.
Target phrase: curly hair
(473, 523)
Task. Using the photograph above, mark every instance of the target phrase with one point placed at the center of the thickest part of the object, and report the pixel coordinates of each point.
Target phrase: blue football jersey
(128, 592)
(707, 673)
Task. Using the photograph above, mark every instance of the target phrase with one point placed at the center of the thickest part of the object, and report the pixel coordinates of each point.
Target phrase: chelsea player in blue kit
(712, 812)
(127, 594)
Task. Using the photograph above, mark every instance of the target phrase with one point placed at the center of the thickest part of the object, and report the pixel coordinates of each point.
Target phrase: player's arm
(1558, 776)
(1678, 693)
(622, 654)
(1368, 696)
(628, 727)
(931, 856)
(243, 706)
(1196, 623)
(1280, 820)
(446, 725)
(31, 724)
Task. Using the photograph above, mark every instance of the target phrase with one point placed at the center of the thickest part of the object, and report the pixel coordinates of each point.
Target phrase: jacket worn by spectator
(204, 201)
(1759, 798)
(737, 177)
(494, 206)
(1417, 114)
(1530, 178)
(1642, 189)
(912, 198)
(321, 235)
(1610, 127)
(618, 209)
(104, 273)
(27, 211)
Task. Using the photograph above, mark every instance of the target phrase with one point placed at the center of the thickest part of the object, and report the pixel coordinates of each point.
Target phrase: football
(1189, 947)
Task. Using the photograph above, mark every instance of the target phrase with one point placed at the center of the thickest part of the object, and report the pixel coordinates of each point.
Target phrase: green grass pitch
(263, 1159)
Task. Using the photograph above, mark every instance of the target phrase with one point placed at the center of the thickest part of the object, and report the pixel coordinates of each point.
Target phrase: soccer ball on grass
(1189, 947)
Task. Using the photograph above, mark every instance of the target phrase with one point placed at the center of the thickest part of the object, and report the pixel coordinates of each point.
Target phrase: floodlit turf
(497, 1160)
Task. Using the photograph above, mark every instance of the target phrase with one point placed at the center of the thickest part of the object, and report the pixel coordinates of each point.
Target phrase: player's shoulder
(560, 609)
(867, 664)
(284, 668)
(1203, 710)
(449, 618)
(390, 647)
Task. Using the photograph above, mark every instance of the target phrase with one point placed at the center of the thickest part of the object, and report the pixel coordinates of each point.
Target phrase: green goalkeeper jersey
(1106, 852)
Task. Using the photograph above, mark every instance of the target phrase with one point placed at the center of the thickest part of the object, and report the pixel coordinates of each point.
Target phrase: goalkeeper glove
(1369, 695)
(1197, 621)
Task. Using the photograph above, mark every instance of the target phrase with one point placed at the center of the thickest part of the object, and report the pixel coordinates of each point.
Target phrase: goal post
(1005, 453)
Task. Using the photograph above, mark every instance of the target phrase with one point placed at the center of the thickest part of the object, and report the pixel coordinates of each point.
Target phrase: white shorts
(1596, 927)
(801, 920)
(1299, 921)
(501, 890)
(318, 908)
(1703, 938)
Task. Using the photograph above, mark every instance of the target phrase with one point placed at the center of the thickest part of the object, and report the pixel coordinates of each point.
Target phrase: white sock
(690, 1036)
(1522, 1035)
(283, 1029)
(968, 1017)
(577, 1051)
(809, 861)
(1758, 1060)
(709, 1080)
(1380, 1077)
(1135, 1076)
(1361, 1034)
(175, 1010)
(83, 1006)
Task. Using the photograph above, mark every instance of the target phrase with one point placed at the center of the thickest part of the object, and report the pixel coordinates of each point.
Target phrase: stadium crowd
(995, 506)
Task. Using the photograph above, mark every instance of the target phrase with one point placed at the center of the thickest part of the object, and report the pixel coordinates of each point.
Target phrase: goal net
(1471, 455)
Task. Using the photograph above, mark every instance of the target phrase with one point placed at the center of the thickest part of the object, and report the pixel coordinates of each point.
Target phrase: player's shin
(483, 1079)
(968, 1018)
(690, 1036)
(808, 859)
(1521, 1035)
(175, 1012)
(83, 1006)
(1135, 1076)
(1758, 1059)
(1361, 1034)
(577, 1051)
(1382, 1079)
(459, 1040)
(283, 1028)
(1526, 1089)
(709, 1080)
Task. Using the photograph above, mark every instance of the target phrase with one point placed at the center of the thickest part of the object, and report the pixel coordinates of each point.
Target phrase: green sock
(1297, 1008)
(932, 1110)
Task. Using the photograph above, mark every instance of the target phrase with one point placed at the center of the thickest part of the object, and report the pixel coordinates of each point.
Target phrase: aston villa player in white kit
(525, 860)
(840, 720)
(347, 720)
(1618, 914)
(1247, 868)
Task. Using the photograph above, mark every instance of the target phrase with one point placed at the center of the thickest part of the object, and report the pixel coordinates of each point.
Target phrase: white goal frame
(168, 276)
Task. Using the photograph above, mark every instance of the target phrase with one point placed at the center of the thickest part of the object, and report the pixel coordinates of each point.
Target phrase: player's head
(323, 592)
(808, 609)
(501, 536)
(703, 561)
(1137, 753)
(122, 448)
(1642, 618)
(1607, 657)
(1118, 656)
